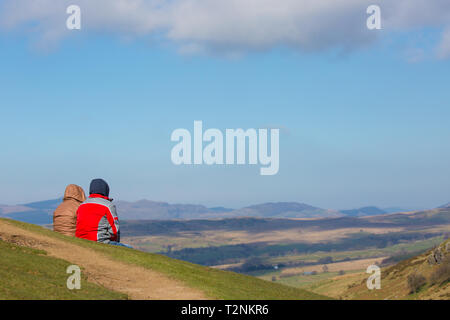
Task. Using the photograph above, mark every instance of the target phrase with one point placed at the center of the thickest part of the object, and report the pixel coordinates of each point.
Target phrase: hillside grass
(28, 274)
(214, 283)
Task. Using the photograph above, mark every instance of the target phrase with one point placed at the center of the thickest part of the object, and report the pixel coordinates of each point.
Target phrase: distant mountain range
(42, 212)
(146, 209)
(445, 205)
(284, 210)
(35, 212)
(364, 211)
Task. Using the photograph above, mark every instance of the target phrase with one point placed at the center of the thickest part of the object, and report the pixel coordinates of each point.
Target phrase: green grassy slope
(214, 283)
(27, 273)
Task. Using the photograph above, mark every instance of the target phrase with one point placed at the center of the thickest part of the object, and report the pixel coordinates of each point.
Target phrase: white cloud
(231, 26)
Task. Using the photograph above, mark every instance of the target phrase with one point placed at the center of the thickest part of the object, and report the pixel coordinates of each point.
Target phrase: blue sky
(366, 126)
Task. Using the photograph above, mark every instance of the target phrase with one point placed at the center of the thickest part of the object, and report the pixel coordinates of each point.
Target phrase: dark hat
(99, 186)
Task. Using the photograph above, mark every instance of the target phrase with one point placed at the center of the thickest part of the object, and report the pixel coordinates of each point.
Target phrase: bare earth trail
(139, 283)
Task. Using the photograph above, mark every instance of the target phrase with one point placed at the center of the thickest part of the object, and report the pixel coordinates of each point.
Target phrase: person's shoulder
(100, 201)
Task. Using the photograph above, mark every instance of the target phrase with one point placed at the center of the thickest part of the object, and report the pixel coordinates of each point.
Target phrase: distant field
(307, 281)
(307, 276)
(203, 239)
(397, 249)
(353, 265)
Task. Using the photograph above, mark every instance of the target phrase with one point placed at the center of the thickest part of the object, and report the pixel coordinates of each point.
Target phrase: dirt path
(139, 283)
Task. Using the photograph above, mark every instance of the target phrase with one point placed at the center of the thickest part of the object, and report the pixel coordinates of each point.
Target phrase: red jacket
(97, 220)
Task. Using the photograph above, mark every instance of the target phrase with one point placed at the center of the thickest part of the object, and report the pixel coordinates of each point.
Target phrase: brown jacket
(65, 216)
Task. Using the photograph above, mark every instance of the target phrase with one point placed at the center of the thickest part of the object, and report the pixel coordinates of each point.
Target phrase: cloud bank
(232, 26)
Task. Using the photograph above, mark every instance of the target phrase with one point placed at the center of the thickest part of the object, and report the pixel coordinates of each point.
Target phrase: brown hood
(74, 192)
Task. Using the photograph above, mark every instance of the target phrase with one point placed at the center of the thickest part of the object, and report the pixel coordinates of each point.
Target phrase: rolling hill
(41, 212)
(152, 210)
(364, 211)
(426, 218)
(284, 210)
(447, 205)
(33, 261)
(36, 212)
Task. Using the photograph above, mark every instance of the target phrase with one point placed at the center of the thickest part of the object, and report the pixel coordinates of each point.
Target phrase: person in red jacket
(97, 218)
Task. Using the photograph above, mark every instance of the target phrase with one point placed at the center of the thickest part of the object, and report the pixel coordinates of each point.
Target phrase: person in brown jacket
(65, 216)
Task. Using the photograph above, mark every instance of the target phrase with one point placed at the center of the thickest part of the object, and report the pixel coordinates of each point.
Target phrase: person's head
(99, 186)
(74, 192)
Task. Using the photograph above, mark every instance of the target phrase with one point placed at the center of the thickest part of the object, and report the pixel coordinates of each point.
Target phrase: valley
(295, 252)
(289, 243)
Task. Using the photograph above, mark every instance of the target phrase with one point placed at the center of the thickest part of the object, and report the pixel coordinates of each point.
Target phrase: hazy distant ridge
(41, 212)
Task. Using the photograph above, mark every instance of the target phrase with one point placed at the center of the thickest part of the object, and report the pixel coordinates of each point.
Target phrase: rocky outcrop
(436, 256)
